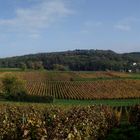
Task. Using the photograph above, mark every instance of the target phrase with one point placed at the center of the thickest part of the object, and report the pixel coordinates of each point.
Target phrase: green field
(64, 102)
(10, 69)
(113, 102)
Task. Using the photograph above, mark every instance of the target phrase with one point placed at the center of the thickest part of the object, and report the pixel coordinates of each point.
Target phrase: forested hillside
(77, 60)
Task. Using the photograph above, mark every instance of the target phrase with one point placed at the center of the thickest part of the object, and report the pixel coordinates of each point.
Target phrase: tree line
(77, 60)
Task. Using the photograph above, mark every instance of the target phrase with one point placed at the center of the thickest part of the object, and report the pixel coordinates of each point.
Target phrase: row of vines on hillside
(105, 89)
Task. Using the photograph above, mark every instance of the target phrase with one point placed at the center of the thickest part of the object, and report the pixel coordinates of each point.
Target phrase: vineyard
(111, 89)
(80, 85)
(59, 122)
(55, 123)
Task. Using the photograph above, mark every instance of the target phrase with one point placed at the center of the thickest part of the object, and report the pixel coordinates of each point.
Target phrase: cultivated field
(68, 76)
(81, 85)
(105, 89)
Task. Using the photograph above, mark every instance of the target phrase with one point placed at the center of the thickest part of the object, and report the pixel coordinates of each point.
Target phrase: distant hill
(134, 55)
(77, 60)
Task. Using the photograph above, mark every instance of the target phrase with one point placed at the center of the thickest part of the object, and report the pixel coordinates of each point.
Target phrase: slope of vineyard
(105, 89)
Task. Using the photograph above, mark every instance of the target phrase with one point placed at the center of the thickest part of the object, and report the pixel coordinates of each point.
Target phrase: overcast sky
(32, 26)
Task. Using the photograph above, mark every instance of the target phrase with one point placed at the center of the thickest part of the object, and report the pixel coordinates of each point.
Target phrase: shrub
(13, 87)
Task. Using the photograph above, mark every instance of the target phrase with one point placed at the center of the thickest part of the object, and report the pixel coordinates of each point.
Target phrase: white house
(134, 64)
